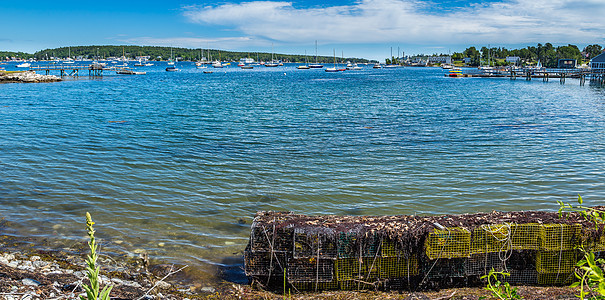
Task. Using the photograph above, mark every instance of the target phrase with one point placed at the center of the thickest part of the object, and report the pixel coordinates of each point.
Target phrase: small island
(26, 76)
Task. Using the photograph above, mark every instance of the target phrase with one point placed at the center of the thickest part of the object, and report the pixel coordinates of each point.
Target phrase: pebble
(57, 226)
(229, 243)
(139, 251)
(163, 285)
(161, 244)
(34, 258)
(28, 281)
(207, 289)
(119, 242)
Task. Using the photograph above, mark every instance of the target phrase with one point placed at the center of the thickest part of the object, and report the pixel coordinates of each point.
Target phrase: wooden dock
(542, 73)
(74, 71)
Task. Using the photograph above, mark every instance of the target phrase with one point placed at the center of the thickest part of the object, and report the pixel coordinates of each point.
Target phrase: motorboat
(171, 69)
(24, 65)
(126, 71)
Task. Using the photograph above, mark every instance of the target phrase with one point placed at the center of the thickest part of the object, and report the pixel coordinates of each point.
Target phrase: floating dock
(307, 253)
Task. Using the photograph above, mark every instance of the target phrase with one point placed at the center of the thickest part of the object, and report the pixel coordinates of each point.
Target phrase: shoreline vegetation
(547, 54)
(153, 53)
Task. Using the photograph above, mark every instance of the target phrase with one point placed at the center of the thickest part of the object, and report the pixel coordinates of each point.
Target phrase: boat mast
(315, 51)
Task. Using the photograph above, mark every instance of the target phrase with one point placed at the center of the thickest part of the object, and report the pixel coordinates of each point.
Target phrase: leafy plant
(92, 290)
(593, 215)
(589, 270)
(498, 289)
(590, 273)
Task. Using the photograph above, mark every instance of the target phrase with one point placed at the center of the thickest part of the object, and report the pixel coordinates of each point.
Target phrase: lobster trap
(411, 252)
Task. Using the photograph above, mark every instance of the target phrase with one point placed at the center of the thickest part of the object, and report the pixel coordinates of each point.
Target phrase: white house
(513, 59)
(440, 60)
(597, 64)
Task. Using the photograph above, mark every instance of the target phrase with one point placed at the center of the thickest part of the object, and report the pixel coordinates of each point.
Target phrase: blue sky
(363, 28)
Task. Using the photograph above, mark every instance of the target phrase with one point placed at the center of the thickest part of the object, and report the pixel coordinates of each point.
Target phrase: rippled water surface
(178, 163)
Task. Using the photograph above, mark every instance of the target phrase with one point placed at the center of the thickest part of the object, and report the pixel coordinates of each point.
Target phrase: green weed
(92, 290)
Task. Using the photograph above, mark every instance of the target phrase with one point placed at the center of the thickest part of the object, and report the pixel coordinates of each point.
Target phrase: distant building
(467, 60)
(597, 64)
(440, 60)
(567, 64)
(513, 59)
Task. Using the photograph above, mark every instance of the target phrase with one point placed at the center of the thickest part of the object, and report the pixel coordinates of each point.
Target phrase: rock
(208, 289)
(27, 76)
(34, 258)
(163, 285)
(40, 264)
(28, 281)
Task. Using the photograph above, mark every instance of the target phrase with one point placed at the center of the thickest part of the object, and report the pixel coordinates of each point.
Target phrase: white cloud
(409, 21)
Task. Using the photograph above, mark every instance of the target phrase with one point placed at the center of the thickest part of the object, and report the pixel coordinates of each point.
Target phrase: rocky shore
(26, 77)
(56, 276)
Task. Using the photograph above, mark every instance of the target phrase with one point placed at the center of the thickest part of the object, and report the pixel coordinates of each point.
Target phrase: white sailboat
(316, 65)
(171, 65)
(334, 69)
(273, 63)
(306, 65)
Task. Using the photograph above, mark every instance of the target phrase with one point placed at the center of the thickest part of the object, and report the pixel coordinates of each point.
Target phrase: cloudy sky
(363, 28)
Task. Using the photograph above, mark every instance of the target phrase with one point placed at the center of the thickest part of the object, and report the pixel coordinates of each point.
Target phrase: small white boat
(24, 65)
(126, 71)
(377, 66)
(353, 67)
(171, 69)
(208, 72)
(247, 67)
(148, 64)
(217, 64)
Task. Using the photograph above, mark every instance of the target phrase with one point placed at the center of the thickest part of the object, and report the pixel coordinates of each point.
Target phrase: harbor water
(177, 163)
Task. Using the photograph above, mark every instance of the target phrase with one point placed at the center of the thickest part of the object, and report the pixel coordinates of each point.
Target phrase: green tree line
(547, 54)
(164, 53)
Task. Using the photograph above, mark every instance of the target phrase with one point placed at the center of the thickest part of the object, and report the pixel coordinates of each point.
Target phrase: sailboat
(316, 65)
(69, 60)
(273, 63)
(202, 63)
(171, 66)
(334, 69)
(306, 65)
(199, 62)
(218, 64)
